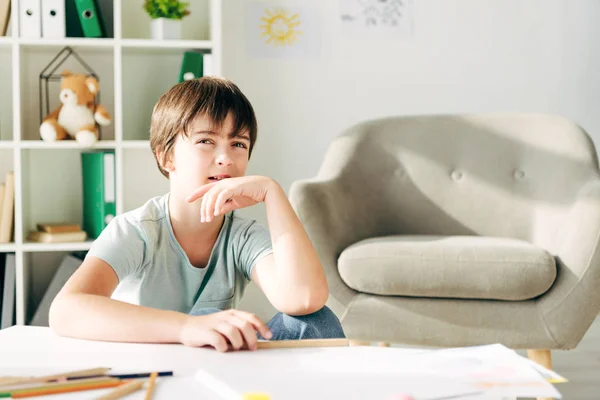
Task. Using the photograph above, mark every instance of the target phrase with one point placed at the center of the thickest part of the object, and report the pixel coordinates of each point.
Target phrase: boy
(164, 272)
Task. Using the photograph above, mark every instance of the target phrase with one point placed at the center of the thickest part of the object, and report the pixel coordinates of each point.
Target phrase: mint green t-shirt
(154, 271)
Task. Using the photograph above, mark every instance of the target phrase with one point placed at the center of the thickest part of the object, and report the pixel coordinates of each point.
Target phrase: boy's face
(207, 155)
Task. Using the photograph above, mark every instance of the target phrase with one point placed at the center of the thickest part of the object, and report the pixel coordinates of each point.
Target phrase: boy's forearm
(298, 269)
(94, 317)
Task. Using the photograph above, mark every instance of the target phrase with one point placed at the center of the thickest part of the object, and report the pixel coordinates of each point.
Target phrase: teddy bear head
(78, 89)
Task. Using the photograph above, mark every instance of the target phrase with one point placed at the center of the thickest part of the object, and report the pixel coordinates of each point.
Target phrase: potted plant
(166, 17)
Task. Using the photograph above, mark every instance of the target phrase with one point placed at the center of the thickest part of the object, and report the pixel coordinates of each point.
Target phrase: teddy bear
(77, 116)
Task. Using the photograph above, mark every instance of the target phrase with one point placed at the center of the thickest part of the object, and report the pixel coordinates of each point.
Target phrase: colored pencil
(128, 376)
(76, 388)
(6, 391)
(122, 391)
(36, 379)
(151, 386)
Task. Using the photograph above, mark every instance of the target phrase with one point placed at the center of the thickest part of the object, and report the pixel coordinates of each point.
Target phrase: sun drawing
(280, 27)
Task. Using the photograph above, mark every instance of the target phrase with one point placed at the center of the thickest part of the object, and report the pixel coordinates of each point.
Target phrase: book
(9, 292)
(58, 228)
(2, 186)
(7, 216)
(47, 237)
(4, 16)
(67, 267)
(98, 174)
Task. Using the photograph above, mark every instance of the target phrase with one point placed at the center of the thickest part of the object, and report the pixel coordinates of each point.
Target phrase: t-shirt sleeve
(253, 243)
(121, 244)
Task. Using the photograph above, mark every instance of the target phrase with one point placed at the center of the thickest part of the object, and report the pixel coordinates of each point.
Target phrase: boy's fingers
(260, 326)
(246, 329)
(211, 200)
(196, 194)
(206, 200)
(232, 334)
(217, 341)
(221, 200)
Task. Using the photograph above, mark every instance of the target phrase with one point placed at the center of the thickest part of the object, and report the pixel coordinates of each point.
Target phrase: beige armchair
(459, 230)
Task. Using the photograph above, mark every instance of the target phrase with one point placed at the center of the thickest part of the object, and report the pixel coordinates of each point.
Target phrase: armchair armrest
(572, 304)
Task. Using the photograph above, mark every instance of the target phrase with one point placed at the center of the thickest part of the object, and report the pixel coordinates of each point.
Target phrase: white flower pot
(164, 28)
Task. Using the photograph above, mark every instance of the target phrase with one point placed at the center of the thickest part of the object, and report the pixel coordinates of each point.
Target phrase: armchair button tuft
(456, 175)
(519, 174)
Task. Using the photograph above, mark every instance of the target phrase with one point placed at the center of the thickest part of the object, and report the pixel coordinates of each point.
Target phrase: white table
(28, 350)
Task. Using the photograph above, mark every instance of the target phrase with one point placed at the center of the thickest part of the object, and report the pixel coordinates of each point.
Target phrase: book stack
(7, 208)
(57, 233)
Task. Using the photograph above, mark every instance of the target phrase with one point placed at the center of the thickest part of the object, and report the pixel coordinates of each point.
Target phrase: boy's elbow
(306, 304)
(58, 315)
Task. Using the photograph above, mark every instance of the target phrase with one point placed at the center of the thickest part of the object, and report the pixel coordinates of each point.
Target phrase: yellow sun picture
(280, 28)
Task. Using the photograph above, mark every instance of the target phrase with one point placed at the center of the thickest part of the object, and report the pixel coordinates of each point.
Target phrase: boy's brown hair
(212, 97)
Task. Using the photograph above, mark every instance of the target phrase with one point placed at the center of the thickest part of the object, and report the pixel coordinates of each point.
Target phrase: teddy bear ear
(92, 84)
(66, 73)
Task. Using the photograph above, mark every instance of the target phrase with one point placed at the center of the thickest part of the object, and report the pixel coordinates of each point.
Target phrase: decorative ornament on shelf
(166, 17)
(79, 115)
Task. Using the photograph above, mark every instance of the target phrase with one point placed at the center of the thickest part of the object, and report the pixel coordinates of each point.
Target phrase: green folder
(99, 190)
(89, 18)
(191, 66)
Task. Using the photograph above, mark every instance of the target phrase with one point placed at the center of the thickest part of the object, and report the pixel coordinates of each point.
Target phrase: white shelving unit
(134, 71)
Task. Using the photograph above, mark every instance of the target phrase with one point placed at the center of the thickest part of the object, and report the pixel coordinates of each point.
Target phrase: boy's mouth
(217, 178)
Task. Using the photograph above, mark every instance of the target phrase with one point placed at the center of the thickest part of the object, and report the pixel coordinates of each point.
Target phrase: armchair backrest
(508, 175)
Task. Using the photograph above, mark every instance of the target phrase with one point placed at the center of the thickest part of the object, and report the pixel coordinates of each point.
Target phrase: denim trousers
(322, 324)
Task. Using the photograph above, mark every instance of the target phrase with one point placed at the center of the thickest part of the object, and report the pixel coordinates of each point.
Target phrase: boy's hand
(231, 194)
(222, 329)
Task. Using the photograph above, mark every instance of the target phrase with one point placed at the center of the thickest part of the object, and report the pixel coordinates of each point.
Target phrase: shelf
(65, 144)
(6, 40)
(6, 144)
(8, 248)
(136, 144)
(167, 44)
(83, 42)
(38, 247)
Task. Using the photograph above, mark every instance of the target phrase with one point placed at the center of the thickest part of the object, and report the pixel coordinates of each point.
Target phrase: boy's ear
(166, 161)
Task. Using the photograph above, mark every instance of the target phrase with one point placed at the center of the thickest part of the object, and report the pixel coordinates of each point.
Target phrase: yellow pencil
(151, 385)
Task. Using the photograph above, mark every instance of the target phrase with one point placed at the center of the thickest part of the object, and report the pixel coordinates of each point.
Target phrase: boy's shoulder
(154, 210)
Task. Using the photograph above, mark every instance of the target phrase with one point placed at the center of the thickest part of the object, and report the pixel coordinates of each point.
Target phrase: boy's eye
(240, 144)
(204, 141)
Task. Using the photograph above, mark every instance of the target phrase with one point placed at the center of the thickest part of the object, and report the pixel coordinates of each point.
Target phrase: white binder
(53, 19)
(207, 64)
(30, 18)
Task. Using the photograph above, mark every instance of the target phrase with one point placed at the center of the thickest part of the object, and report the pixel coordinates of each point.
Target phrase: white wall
(465, 56)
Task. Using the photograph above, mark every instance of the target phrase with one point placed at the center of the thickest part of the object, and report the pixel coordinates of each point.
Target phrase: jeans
(322, 324)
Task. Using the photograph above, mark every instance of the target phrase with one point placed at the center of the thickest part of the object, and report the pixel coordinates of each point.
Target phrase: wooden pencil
(151, 385)
(83, 372)
(76, 388)
(6, 391)
(290, 344)
(123, 390)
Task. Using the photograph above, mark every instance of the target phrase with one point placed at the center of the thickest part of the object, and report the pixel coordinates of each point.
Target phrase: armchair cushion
(467, 267)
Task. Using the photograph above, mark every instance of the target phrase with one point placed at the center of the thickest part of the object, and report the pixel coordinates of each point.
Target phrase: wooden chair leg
(542, 357)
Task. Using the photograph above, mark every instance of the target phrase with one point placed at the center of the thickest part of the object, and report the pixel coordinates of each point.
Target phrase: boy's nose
(224, 160)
